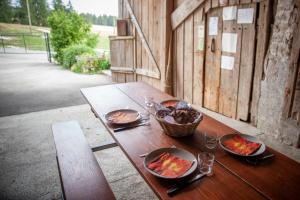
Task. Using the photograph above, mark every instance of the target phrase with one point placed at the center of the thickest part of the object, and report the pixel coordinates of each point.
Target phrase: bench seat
(80, 174)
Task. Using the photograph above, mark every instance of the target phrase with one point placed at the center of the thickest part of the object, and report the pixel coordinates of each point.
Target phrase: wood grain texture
(188, 58)
(246, 67)
(234, 178)
(80, 173)
(230, 78)
(180, 61)
(183, 11)
(145, 139)
(213, 64)
(263, 34)
(198, 79)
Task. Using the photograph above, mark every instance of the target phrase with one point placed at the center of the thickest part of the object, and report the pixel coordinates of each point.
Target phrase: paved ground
(28, 167)
(46, 94)
(29, 83)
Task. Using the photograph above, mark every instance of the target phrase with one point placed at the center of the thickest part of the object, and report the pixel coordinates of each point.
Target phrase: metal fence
(33, 43)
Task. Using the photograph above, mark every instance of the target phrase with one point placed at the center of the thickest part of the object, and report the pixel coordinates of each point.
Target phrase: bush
(70, 53)
(103, 64)
(91, 40)
(89, 64)
(67, 28)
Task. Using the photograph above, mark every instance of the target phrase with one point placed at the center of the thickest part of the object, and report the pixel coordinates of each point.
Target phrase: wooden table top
(233, 178)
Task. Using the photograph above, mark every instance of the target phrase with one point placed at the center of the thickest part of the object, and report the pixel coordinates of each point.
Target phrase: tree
(69, 7)
(39, 12)
(58, 5)
(67, 28)
(20, 14)
(6, 11)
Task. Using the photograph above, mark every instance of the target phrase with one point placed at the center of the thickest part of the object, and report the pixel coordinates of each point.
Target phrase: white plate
(176, 152)
(247, 137)
(134, 119)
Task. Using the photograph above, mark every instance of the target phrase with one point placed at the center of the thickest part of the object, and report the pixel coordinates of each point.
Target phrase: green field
(19, 36)
(16, 34)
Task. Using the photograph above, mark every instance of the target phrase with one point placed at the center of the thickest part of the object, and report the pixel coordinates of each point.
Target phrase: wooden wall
(152, 17)
(198, 76)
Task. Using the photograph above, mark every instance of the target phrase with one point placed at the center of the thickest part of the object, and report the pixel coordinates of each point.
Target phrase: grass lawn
(19, 36)
(11, 35)
(103, 43)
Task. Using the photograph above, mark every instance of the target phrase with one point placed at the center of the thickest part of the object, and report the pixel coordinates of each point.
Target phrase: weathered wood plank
(180, 60)
(188, 58)
(198, 56)
(143, 39)
(230, 78)
(263, 32)
(246, 67)
(145, 28)
(213, 64)
(183, 11)
(214, 3)
(207, 5)
(129, 59)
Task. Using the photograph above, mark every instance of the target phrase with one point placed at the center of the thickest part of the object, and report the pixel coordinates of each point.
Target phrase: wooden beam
(183, 11)
(121, 37)
(122, 69)
(157, 73)
(146, 72)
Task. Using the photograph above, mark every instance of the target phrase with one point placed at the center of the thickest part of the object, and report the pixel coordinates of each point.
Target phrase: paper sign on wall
(229, 13)
(213, 26)
(245, 16)
(227, 62)
(229, 42)
(200, 45)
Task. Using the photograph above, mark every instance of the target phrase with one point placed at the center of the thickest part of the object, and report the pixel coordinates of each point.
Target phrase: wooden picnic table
(233, 178)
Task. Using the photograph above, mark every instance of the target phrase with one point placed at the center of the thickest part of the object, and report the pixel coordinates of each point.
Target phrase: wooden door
(229, 62)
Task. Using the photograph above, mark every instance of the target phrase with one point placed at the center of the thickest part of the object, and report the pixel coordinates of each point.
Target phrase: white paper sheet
(229, 42)
(229, 13)
(245, 16)
(227, 62)
(200, 45)
(213, 26)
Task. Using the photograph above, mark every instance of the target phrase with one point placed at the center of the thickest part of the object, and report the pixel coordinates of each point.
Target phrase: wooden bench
(80, 174)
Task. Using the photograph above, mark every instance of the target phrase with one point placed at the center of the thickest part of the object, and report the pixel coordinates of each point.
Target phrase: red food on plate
(241, 146)
(169, 165)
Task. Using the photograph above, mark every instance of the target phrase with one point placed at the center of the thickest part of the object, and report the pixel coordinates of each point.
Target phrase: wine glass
(148, 106)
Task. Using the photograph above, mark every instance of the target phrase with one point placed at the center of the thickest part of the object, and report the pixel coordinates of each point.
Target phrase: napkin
(241, 146)
(169, 165)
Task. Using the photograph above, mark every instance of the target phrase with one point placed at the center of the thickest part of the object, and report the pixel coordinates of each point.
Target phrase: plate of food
(242, 145)
(122, 116)
(170, 163)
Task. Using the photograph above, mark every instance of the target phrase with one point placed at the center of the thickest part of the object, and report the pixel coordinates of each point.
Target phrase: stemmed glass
(148, 106)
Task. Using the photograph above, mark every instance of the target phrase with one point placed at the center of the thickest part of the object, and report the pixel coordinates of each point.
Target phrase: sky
(97, 7)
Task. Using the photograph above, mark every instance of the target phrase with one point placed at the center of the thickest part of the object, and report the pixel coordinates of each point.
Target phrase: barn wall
(153, 18)
(277, 70)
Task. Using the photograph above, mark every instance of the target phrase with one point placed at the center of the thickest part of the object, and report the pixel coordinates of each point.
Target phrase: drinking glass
(206, 161)
(148, 106)
(211, 140)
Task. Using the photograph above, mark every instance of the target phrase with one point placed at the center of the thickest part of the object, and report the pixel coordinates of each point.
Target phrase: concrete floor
(28, 166)
(34, 95)
(29, 83)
